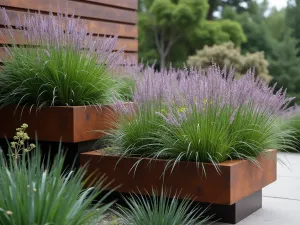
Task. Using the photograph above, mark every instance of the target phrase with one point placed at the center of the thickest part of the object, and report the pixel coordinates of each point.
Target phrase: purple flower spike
(215, 88)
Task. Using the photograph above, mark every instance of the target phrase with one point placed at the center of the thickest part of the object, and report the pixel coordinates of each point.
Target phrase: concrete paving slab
(275, 211)
(284, 187)
(292, 170)
(291, 158)
(281, 201)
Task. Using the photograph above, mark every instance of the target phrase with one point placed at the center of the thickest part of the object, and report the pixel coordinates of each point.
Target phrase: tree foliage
(285, 65)
(167, 21)
(254, 26)
(293, 19)
(218, 32)
(275, 32)
(228, 55)
(239, 5)
(171, 30)
(207, 33)
(259, 33)
(276, 24)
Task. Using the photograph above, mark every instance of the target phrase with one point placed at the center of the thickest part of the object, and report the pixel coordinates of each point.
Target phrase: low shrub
(61, 63)
(228, 55)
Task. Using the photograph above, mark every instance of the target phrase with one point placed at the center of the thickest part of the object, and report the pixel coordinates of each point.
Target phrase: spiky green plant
(35, 192)
(159, 210)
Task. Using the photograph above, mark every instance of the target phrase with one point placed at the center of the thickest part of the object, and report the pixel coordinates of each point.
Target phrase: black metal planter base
(234, 213)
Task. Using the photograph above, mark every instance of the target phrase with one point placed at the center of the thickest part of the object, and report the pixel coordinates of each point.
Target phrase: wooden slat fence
(101, 17)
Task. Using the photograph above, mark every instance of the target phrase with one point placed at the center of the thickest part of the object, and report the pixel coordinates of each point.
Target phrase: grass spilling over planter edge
(201, 117)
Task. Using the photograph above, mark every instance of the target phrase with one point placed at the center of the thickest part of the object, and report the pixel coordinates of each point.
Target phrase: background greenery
(173, 30)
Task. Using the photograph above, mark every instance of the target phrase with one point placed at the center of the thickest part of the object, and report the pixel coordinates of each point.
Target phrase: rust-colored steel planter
(71, 124)
(237, 180)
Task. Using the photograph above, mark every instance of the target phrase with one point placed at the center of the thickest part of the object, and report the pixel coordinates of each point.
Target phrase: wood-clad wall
(101, 17)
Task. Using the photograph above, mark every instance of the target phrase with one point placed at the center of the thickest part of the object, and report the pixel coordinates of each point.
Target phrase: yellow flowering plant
(18, 146)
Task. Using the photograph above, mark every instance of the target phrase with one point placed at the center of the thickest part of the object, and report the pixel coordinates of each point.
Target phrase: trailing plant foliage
(201, 116)
(35, 192)
(61, 63)
(158, 209)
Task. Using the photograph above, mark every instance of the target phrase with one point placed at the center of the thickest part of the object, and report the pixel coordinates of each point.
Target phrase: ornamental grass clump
(160, 210)
(201, 117)
(60, 65)
(35, 192)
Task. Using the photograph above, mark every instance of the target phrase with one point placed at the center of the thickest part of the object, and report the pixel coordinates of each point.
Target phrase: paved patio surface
(281, 200)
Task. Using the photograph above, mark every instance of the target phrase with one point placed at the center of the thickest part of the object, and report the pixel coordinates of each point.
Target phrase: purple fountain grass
(213, 87)
(207, 116)
(61, 64)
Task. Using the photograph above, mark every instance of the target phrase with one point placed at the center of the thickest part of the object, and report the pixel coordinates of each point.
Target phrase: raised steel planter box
(71, 124)
(234, 193)
(76, 127)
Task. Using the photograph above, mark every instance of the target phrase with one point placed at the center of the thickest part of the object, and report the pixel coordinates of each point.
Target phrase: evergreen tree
(239, 5)
(293, 19)
(285, 65)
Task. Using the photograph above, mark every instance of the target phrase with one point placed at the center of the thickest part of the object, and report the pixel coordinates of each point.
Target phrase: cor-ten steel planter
(236, 188)
(72, 124)
(75, 128)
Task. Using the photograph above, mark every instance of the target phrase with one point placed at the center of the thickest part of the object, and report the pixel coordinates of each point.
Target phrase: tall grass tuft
(159, 210)
(201, 117)
(60, 65)
(33, 192)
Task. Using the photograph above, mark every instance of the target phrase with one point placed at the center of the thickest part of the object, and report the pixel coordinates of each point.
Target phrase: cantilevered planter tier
(66, 123)
(234, 192)
(77, 127)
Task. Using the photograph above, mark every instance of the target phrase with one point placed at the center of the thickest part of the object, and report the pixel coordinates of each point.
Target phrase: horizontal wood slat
(130, 4)
(100, 17)
(79, 8)
(5, 38)
(96, 27)
(132, 56)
